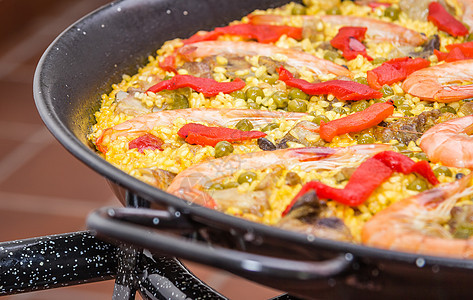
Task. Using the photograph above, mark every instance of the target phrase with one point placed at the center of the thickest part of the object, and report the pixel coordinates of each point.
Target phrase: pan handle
(119, 224)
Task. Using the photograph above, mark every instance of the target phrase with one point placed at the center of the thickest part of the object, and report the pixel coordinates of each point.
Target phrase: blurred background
(43, 189)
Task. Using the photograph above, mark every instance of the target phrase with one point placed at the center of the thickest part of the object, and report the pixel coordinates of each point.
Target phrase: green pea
(244, 124)
(280, 99)
(339, 110)
(253, 105)
(271, 79)
(167, 77)
(400, 147)
(418, 184)
(298, 10)
(463, 231)
(378, 60)
(254, 92)
(469, 38)
(319, 118)
(216, 186)
(359, 105)
(296, 93)
(406, 109)
(361, 80)
(331, 55)
(180, 101)
(230, 184)
(247, 177)
(238, 94)
(387, 90)
(445, 171)
(297, 105)
(392, 12)
(398, 100)
(269, 127)
(335, 10)
(421, 156)
(365, 138)
(446, 108)
(223, 148)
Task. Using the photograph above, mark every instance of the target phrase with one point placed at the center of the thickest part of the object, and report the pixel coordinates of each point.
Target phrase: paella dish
(344, 120)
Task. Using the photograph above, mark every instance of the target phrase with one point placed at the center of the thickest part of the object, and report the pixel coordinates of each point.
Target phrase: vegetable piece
(261, 33)
(394, 70)
(456, 52)
(366, 178)
(206, 86)
(169, 63)
(147, 141)
(445, 21)
(199, 134)
(342, 89)
(358, 121)
(223, 148)
(348, 40)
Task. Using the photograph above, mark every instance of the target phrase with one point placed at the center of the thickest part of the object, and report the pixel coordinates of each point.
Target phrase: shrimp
(467, 16)
(415, 224)
(186, 184)
(450, 143)
(432, 84)
(219, 117)
(295, 58)
(377, 30)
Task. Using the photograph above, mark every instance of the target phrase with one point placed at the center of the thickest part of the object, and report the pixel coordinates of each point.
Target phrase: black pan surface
(83, 62)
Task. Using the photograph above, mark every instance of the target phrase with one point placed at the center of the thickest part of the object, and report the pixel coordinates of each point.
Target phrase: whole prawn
(414, 224)
(218, 117)
(295, 58)
(450, 143)
(432, 84)
(377, 30)
(187, 184)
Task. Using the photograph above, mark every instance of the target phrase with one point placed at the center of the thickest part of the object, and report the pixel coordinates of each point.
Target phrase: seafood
(435, 83)
(377, 30)
(219, 117)
(467, 16)
(295, 58)
(187, 183)
(450, 143)
(415, 224)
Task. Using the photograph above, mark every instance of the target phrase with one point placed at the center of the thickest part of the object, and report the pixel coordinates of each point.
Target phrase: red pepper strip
(261, 33)
(169, 63)
(358, 121)
(206, 86)
(457, 52)
(147, 141)
(366, 178)
(401, 163)
(199, 134)
(342, 89)
(348, 40)
(394, 70)
(202, 36)
(445, 21)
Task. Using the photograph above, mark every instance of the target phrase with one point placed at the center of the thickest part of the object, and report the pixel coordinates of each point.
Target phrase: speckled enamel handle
(119, 224)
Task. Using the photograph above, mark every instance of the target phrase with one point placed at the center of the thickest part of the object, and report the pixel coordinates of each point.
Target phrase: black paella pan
(83, 62)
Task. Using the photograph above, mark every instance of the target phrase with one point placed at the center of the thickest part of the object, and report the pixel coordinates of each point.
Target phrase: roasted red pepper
(169, 63)
(342, 89)
(394, 70)
(445, 21)
(366, 178)
(199, 134)
(349, 41)
(261, 33)
(358, 121)
(456, 52)
(206, 86)
(147, 141)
